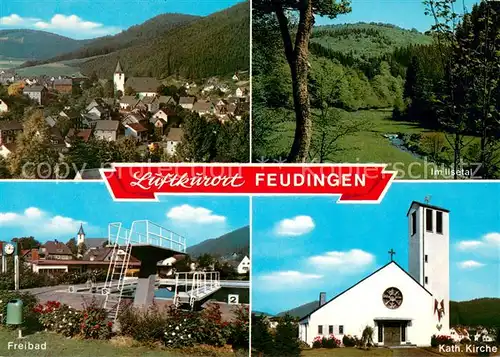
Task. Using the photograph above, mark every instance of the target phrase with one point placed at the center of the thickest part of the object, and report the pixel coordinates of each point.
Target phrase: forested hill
(366, 39)
(214, 45)
(32, 44)
(237, 241)
(134, 35)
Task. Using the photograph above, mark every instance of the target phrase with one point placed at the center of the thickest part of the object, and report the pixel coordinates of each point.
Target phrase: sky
(403, 13)
(55, 210)
(83, 19)
(302, 246)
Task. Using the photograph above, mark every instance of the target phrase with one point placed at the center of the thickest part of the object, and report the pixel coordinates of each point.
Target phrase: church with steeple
(404, 307)
(90, 243)
(140, 86)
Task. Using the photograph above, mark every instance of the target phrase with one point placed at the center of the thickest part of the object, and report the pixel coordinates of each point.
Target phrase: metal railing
(197, 285)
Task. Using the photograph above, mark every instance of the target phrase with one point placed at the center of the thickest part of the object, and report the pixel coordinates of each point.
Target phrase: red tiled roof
(137, 127)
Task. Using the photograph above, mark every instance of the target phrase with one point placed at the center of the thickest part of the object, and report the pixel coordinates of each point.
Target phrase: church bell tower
(80, 237)
(429, 257)
(119, 78)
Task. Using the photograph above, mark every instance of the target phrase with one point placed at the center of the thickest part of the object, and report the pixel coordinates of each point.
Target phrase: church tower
(80, 238)
(429, 257)
(119, 78)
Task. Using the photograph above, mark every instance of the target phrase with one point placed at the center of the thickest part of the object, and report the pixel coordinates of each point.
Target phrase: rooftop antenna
(427, 199)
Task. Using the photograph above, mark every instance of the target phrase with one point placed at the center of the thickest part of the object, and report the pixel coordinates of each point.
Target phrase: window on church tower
(414, 223)
(426, 280)
(428, 220)
(439, 222)
(425, 258)
(320, 329)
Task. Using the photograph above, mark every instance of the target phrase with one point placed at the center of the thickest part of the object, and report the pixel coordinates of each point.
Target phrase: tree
(82, 249)
(199, 140)
(262, 340)
(297, 55)
(286, 342)
(109, 89)
(71, 244)
(4, 169)
(205, 261)
(366, 340)
(27, 242)
(34, 156)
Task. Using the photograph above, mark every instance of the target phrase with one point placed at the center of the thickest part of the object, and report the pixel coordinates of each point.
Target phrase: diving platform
(147, 241)
(193, 287)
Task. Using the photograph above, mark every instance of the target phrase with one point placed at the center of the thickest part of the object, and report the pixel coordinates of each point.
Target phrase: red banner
(354, 183)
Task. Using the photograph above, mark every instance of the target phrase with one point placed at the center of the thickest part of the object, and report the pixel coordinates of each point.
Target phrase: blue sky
(83, 19)
(51, 210)
(290, 257)
(403, 13)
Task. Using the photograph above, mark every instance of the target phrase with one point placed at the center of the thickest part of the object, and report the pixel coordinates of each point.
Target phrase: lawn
(58, 346)
(366, 146)
(347, 352)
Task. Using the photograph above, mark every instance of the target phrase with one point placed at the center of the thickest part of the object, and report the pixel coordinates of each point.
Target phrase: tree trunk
(299, 67)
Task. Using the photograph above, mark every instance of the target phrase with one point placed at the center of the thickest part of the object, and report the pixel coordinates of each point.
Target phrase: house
(9, 129)
(4, 108)
(77, 134)
(235, 77)
(173, 139)
(133, 118)
(203, 107)
(97, 102)
(128, 102)
(136, 130)
(240, 92)
(63, 85)
(7, 149)
(37, 93)
(106, 130)
(403, 307)
(143, 86)
(165, 100)
(56, 138)
(459, 333)
(241, 109)
(187, 102)
(244, 266)
(54, 250)
(100, 111)
(51, 121)
(160, 114)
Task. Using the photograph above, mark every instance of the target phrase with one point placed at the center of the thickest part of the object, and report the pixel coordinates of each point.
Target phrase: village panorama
(114, 108)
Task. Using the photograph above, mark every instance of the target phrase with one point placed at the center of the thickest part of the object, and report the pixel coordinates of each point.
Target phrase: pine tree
(262, 340)
(286, 341)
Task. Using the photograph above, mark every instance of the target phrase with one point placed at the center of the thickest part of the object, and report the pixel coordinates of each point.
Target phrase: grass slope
(32, 44)
(232, 242)
(214, 45)
(369, 40)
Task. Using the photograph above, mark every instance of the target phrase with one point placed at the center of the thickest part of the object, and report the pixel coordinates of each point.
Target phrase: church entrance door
(392, 333)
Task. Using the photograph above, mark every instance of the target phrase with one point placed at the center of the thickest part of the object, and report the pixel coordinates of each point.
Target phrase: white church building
(402, 307)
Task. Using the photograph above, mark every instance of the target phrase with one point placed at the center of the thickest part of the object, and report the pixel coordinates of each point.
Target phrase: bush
(349, 341)
(59, 318)
(441, 340)
(240, 328)
(95, 323)
(318, 342)
(213, 331)
(181, 330)
(144, 326)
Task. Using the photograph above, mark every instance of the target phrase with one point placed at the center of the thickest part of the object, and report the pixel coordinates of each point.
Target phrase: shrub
(240, 328)
(213, 330)
(262, 340)
(94, 322)
(59, 318)
(318, 342)
(144, 326)
(181, 330)
(441, 340)
(286, 340)
(349, 341)
(330, 342)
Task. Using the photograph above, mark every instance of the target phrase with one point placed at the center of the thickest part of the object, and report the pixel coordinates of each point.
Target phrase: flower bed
(441, 340)
(326, 342)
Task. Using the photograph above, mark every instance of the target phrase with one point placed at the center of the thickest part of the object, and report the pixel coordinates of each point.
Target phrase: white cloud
(35, 222)
(469, 244)
(71, 25)
(189, 214)
(294, 227)
(287, 279)
(350, 261)
(470, 264)
(486, 243)
(16, 20)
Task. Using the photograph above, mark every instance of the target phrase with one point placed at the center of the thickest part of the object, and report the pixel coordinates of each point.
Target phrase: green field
(6, 63)
(58, 346)
(49, 69)
(367, 146)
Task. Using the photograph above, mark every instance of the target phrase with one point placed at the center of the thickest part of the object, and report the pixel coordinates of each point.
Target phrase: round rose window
(392, 298)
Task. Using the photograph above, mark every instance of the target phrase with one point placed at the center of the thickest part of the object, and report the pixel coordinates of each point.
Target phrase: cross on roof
(392, 252)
